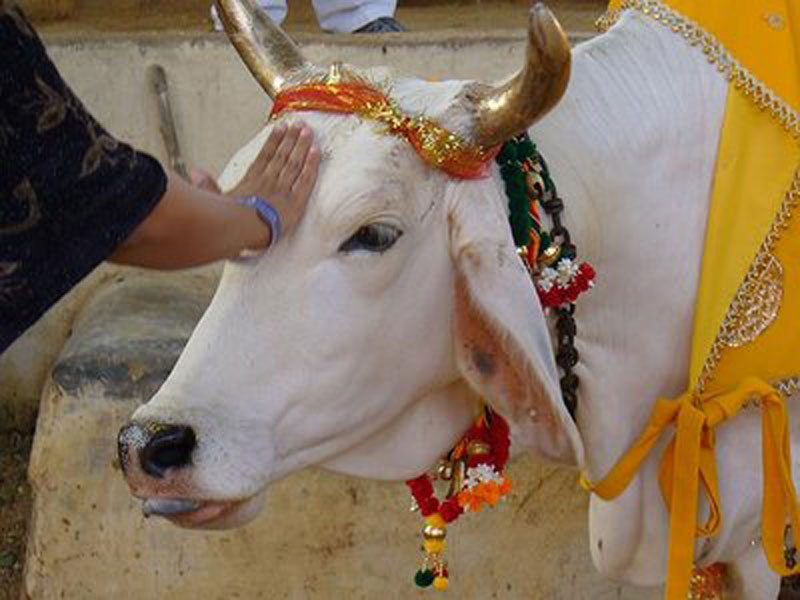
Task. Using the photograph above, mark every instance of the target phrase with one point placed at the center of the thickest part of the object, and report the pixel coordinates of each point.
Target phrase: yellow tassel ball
(435, 520)
(441, 583)
(433, 546)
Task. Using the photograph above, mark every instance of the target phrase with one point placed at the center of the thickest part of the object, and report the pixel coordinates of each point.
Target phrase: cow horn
(267, 51)
(509, 109)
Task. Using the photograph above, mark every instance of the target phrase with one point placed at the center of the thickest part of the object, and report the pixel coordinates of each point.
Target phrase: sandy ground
(15, 503)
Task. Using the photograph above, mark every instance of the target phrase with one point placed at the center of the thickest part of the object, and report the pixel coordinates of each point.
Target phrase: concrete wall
(218, 105)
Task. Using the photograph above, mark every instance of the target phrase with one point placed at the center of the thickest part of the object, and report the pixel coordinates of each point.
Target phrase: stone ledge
(130, 334)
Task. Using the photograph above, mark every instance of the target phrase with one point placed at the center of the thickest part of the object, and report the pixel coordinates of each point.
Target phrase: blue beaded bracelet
(267, 213)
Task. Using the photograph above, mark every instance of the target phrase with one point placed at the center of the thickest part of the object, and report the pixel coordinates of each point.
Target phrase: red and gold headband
(436, 145)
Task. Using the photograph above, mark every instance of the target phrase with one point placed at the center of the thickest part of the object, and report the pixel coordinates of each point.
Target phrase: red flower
(450, 510)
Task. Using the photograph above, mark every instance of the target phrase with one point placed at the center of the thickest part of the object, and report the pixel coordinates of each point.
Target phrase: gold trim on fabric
(715, 52)
(750, 293)
(756, 303)
(788, 386)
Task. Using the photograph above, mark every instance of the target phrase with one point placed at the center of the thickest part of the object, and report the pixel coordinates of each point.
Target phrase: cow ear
(503, 347)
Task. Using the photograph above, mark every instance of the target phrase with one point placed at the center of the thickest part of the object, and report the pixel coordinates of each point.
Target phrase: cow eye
(375, 237)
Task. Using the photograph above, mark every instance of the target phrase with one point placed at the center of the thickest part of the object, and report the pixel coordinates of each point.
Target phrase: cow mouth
(194, 513)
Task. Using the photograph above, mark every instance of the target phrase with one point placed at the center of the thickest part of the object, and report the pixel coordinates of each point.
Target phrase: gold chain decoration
(787, 386)
(756, 303)
(715, 52)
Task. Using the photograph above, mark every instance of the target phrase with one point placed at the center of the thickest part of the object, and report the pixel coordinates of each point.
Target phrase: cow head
(364, 341)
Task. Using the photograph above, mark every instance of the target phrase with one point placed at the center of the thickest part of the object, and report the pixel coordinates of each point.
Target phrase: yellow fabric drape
(692, 450)
(756, 166)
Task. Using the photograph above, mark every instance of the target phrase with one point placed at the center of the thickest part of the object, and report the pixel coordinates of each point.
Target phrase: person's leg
(276, 9)
(351, 15)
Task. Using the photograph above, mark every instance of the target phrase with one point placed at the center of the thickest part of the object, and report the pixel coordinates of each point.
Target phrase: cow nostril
(170, 447)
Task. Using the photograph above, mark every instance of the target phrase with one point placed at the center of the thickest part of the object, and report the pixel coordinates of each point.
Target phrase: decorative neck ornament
(475, 469)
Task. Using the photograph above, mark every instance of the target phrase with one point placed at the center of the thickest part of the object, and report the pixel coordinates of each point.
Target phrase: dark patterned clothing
(69, 192)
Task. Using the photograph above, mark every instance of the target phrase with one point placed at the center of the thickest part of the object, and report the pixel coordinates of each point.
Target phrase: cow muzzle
(156, 459)
(157, 449)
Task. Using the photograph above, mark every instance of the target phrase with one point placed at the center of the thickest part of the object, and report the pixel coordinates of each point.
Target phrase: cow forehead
(366, 171)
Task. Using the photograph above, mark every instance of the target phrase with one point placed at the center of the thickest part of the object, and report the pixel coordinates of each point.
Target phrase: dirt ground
(15, 504)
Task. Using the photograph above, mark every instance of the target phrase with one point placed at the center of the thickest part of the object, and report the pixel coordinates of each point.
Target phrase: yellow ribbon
(692, 450)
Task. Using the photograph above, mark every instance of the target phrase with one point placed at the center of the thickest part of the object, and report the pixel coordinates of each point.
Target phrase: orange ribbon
(436, 145)
(688, 462)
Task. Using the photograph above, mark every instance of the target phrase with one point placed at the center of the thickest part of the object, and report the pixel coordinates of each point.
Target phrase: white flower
(567, 270)
(547, 278)
(481, 473)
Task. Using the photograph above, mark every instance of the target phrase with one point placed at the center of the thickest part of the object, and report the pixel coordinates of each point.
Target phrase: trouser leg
(348, 15)
(276, 9)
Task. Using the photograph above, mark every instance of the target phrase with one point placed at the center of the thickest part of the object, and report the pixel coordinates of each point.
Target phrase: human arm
(191, 225)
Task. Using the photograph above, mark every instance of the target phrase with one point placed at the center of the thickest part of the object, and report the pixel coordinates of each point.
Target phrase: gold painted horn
(267, 51)
(511, 108)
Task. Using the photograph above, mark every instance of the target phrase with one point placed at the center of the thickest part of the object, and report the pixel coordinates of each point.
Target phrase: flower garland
(475, 466)
(549, 255)
(475, 469)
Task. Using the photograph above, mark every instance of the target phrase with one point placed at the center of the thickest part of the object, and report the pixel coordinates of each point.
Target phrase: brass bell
(534, 182)
(445, 471)
(550, 255)
(477, 447)
(434, 533)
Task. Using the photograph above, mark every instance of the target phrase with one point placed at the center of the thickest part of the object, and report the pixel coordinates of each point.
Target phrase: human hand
(284, 172)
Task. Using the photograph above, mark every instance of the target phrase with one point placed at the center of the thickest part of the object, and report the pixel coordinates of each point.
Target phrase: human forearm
(195, 224)
(191, 227)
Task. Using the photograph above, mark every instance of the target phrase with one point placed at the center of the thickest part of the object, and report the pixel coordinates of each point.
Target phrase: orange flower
(470, 501)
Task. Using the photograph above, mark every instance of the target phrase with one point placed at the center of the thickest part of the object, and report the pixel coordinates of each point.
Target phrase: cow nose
(160, 447)
(169, 447)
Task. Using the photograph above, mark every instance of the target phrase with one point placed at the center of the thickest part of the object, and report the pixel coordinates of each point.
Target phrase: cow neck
(549, 255)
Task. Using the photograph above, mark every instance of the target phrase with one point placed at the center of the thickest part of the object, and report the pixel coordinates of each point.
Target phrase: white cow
(352, 344)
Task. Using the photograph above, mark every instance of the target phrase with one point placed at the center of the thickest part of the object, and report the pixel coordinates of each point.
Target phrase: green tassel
(544, 241)
(507, 154)
(424, 578)
(525, 149)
